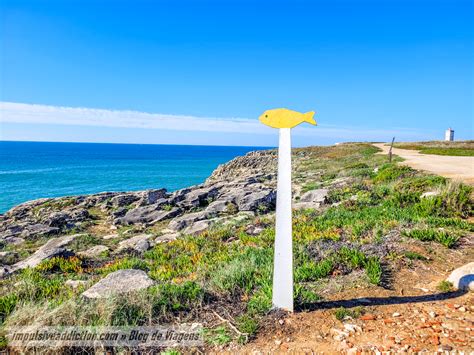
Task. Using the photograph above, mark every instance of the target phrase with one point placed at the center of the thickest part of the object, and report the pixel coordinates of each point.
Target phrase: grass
(445, 286)
(227, 269)
(342, 313)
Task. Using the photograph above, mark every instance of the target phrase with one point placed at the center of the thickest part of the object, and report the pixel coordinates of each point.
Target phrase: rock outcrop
(119, 282)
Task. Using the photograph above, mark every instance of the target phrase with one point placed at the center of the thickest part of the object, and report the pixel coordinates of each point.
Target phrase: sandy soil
(458, 168)
(410, 316)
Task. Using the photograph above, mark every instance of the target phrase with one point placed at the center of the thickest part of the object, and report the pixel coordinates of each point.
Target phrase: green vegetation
(445, 286)
(460, 148)
(414, 256)
(341, 313)
(426, 235)
(227, 269)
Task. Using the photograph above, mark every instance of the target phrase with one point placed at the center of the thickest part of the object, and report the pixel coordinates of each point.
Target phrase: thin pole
(283, 258)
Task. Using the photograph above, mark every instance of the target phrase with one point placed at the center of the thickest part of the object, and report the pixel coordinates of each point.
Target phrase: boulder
(198, 197)
(252, 199)
(197, 228)
(220, 206)
(139, 243)
(148, 214)
(315, 196)
(39, 229)
(463, 277)
(14, 240)
(93, 252)
(254, 230)
(188, 219)
(124, 199)
(167, 237)
(53, 247)
(119, 282)
(151, 197)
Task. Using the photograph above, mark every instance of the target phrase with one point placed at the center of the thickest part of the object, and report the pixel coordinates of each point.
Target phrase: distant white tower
(449, 135)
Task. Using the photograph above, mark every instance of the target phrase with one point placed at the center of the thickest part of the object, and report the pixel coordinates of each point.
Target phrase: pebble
(462, 309)
(281, 321)
(432, 314)
(278, 342)
(446, 348)
(396, 314)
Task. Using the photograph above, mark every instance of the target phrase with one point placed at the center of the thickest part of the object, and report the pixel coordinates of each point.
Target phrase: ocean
(31, 170)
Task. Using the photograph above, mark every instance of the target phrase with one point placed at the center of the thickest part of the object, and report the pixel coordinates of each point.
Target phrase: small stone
(432, 314)
(281, 321)
(396, 314)
(110, 236)
(462, 309)
(278, 342)
(446, 347)
(367, 317)
(75, 283)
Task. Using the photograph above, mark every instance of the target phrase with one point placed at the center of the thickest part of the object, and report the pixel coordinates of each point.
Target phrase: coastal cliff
(167, 257)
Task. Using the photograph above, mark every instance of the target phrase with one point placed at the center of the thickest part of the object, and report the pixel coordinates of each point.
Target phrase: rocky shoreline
(238, 189)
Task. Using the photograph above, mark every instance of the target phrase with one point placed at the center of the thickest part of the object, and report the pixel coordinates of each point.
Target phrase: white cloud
(44, 114)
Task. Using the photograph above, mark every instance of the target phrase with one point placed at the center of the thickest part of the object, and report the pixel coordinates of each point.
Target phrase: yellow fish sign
(284, 118)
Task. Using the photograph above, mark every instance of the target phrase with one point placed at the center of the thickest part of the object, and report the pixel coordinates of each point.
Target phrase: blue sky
(201, 72)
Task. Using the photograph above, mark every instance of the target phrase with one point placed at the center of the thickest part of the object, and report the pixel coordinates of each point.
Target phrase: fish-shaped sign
(284, 118)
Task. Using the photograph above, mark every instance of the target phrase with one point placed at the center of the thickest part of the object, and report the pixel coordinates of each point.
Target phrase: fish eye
(266, 115)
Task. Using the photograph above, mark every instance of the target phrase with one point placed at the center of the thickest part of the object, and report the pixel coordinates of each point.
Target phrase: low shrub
(65, 265)
(429, 234)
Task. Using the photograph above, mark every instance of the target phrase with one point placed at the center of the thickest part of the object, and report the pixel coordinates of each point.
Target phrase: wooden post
(390, 151)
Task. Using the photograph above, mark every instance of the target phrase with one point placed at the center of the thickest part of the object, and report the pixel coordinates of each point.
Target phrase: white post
(283, 258)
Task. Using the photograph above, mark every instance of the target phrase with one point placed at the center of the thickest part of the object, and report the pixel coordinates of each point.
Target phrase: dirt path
(411, 315)
(458, 168)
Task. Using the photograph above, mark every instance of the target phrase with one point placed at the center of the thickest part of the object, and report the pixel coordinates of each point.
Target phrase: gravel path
(459, 168)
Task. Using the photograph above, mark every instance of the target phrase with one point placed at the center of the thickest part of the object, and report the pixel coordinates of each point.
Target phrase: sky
(202, 71)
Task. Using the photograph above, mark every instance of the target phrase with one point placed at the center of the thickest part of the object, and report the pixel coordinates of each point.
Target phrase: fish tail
(308, 117)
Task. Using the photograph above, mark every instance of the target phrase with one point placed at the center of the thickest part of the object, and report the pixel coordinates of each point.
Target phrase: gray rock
(94, 251)
(167, 237)
(251, 200)
(120, 212)
(14, 240)
(5, 270)
(187, 220)
(53, 247)
(111, 236)
(39, 230)
(8, 257)
(139, 243)
(198, 197)
(317, 196)
(74, 284)
(429, 194)
(254, 230)
(119, 282)
(305, 205)
(147, 214)
(124, 199)
(220, 206)
(151, 197)
(463, 277)
(197, 228)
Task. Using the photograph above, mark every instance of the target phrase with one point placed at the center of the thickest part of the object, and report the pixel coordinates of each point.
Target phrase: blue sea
(31, 170)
